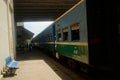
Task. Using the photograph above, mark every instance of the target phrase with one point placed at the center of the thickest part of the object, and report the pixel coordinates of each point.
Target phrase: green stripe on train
(77, 52)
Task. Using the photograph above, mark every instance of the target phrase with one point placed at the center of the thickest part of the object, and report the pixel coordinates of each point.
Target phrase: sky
(37, 27)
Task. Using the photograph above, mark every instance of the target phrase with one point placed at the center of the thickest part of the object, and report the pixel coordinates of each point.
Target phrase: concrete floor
(36, 66)
(34, 70)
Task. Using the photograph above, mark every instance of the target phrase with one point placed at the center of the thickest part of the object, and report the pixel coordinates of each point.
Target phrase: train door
(54, 37)
(103, 20)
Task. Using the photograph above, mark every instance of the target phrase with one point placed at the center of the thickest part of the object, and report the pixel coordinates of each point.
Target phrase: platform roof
(41, 10)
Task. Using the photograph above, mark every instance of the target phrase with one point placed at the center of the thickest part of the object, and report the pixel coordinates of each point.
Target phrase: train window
(65, 34)
(59, 35)
(75, 32)
(50, 37)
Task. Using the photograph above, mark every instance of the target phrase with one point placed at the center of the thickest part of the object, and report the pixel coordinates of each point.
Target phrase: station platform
(34, 65)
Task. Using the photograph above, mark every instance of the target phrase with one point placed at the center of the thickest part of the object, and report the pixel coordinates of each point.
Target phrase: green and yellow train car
(71, 34)
(46, 39)
(88, 33)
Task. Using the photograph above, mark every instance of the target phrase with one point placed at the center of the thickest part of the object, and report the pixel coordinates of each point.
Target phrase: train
(88, 35)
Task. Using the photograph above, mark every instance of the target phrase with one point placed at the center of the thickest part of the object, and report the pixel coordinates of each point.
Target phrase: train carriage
(71, 34)
(47, 39)
(88, 33)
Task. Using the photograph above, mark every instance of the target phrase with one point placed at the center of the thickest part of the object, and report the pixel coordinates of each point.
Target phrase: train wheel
(72, 64)
(84, 68)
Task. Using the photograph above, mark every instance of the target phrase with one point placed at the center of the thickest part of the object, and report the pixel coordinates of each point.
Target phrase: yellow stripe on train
(70, 43)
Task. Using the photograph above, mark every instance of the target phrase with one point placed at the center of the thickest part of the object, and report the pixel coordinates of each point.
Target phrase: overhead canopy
(41, 10)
